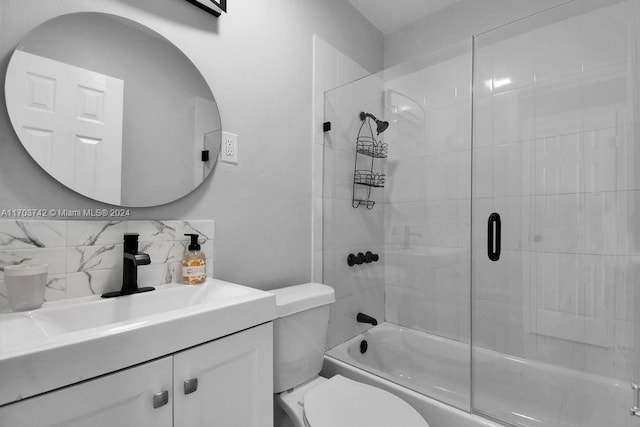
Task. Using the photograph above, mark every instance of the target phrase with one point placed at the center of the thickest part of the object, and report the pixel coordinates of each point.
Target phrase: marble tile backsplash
(85, 257)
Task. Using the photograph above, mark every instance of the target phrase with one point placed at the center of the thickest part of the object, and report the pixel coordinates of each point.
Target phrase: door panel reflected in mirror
(112, 110)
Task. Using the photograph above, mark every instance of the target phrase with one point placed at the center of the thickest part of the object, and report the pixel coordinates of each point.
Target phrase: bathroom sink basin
(68, 341)
(104, 312)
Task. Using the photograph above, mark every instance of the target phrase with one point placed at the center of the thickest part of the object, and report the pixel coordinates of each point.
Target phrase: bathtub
(432, 374)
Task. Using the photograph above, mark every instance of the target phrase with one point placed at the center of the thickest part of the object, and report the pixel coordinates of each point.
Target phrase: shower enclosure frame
(548, 328)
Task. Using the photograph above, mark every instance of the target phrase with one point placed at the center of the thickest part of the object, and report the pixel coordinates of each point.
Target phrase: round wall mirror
(112, 110)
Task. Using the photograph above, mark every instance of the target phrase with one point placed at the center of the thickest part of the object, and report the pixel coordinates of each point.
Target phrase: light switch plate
(229, 152)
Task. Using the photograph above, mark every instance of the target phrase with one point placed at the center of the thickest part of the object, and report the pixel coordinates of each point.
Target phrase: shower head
(380, 125)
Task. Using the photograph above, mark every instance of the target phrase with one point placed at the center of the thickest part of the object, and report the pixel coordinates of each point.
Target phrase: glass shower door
(555, 204)
(419, 224)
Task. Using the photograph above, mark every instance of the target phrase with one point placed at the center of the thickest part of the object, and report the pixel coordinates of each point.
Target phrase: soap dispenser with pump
(193, 263)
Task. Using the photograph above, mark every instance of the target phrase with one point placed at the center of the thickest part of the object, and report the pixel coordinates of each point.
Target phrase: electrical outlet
(229, 152)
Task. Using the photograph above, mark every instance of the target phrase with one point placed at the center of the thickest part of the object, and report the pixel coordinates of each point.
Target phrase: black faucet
(363, 318)
(132, 259)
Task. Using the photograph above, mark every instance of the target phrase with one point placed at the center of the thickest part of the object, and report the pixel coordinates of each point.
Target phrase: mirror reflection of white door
(70, 121)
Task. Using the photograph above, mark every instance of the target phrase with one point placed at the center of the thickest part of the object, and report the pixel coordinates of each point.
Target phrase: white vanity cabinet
(234, 377)
(226, 383)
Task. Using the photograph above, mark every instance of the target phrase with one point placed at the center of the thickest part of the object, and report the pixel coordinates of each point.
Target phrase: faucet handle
(371, 257)
(131, 242)
(355, 259)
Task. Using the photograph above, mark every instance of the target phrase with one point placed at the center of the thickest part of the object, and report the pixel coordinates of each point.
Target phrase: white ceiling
(392, 15)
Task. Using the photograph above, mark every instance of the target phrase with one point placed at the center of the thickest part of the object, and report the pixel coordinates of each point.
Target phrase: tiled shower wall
(427, 196)
(85, 257)
(420, 222)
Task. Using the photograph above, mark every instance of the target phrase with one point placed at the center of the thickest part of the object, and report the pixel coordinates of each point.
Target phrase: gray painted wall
(258, 61)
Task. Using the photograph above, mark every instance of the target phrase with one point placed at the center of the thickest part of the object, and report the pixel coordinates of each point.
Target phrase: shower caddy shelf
(368, 178)
(366, 145)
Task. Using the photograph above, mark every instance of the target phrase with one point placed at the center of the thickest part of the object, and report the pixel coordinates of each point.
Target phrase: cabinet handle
(160, 399)
(190, 385)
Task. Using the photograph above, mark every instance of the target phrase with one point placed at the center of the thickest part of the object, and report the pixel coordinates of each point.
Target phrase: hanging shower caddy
(368, 149)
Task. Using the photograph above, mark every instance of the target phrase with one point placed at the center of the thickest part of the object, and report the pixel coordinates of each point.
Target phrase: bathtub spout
(363, 318)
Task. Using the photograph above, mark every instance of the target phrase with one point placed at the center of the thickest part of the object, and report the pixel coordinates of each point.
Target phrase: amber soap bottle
(193, 263)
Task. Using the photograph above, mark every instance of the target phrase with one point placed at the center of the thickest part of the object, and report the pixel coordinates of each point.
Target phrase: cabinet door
(234, 381)
(125, 398)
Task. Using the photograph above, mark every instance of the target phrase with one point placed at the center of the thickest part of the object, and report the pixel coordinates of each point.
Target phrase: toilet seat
(340, 402)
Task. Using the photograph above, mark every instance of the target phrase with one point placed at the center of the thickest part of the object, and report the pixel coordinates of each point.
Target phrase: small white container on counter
(25, 285)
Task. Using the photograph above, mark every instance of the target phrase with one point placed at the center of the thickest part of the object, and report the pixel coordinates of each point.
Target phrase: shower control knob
(351, 260)
(371, 257)
(361, 258)
(368, 257)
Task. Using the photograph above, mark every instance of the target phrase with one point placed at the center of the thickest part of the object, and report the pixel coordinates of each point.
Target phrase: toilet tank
(300, 333)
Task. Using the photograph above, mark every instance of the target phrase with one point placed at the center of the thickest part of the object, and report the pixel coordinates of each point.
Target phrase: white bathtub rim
(481, 352)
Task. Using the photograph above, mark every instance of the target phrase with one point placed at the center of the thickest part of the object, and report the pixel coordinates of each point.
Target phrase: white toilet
(300, 334)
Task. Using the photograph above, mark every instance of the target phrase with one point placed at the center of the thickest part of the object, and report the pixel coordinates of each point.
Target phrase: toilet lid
(340, 402)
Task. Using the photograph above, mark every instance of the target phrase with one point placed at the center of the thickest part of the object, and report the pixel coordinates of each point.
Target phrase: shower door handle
(635, 411)
(493, 237)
